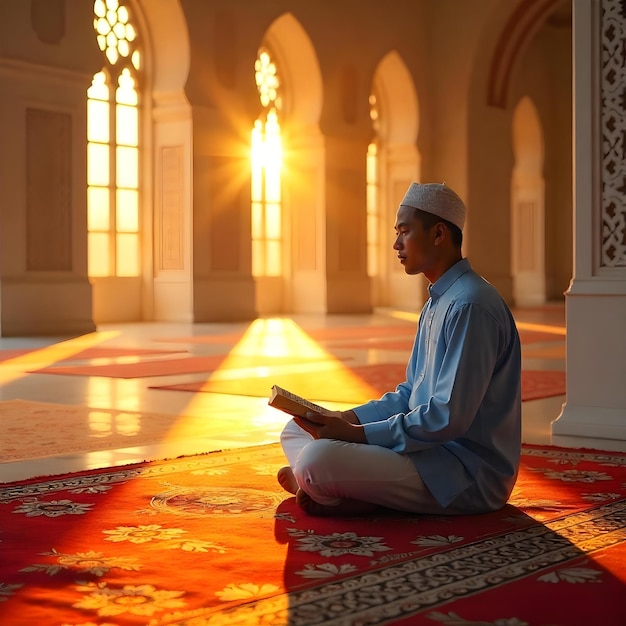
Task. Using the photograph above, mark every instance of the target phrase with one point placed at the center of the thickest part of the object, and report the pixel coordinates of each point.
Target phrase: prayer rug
(35, 355)
(212, 541)
(176, 366)
(354, 385)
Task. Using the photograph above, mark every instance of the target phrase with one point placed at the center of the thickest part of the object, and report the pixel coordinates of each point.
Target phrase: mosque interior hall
(198, 198)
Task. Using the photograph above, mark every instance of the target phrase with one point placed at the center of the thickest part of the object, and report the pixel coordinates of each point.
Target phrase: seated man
(447, 440)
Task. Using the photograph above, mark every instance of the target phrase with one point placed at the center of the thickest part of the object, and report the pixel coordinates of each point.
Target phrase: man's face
(414, 245)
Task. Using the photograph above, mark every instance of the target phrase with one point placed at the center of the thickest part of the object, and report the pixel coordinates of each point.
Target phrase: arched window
(113, 146)
(373, 194)
(266, 173)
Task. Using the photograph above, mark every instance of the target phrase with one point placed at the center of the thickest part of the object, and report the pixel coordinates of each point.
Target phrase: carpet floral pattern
(212, 540)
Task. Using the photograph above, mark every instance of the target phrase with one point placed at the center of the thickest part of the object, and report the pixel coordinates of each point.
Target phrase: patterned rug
(353, 385)
(212, 541)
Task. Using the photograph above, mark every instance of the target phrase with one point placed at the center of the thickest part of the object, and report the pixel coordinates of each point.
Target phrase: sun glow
(292, 351)
(266, 163)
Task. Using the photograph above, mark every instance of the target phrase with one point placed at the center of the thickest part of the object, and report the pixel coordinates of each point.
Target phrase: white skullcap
(437, 199)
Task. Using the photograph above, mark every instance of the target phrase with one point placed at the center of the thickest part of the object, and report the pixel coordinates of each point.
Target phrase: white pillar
(595, 406)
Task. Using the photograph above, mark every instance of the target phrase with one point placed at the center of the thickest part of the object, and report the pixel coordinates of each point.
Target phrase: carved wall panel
(172, 222)
(48, 191)
(613, 121)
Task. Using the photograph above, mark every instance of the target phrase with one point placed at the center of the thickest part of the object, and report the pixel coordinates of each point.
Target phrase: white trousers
(329, 471)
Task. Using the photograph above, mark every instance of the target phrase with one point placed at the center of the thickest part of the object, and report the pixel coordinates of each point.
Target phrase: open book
(292, 404)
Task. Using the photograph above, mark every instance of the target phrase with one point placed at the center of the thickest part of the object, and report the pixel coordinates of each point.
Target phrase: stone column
(595, 406)
(347, 282)
(223, 106)
(223, 286)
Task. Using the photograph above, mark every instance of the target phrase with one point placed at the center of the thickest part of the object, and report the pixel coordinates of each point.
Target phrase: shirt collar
(445, 281)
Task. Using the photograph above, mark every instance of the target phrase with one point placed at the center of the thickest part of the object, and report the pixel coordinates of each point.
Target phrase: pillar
(595, 405)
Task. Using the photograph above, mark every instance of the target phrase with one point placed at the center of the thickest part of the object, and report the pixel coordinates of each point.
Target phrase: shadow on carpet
(212, 540)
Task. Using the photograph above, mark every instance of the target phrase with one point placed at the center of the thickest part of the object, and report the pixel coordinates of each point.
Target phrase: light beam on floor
(13, 369)
(267, 339)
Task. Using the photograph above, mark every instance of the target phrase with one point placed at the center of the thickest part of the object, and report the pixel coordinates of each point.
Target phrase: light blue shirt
(458, 414)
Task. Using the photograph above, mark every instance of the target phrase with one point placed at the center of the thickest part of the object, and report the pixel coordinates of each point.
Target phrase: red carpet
(354, 385)
(211, 540)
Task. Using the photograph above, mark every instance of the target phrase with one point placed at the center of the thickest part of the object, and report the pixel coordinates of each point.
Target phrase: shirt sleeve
(394, 401)
(472, 338)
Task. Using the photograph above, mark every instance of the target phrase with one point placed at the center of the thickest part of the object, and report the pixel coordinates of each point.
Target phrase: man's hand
(346, 416)
(341, 425)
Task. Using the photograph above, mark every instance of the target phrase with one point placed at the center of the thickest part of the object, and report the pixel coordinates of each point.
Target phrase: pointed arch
(302, 285)
(528, 206)
(518, 31)
(170, 52)
(394, 83)
(395, 166)
(515, 56)
(302, 77)
(528, 144)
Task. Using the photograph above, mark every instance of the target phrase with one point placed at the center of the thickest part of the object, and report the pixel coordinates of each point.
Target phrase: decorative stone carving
(613, 121)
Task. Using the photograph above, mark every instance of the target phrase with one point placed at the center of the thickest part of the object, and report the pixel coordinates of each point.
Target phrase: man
(447, 440)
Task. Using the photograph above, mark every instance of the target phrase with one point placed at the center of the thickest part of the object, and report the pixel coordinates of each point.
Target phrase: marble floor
(233, 420)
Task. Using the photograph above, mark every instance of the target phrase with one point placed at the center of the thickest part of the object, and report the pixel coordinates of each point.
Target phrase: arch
(500, 77)
(302, 286)
(170, 50)
(528, 206)
(520, 28)
(394, 83)
(397, 166)
(302, 78)
(527, 137)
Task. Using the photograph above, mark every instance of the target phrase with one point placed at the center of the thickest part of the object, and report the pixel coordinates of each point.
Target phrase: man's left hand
(331, 426)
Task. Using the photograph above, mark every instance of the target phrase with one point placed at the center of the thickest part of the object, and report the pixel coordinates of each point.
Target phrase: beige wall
(522, 59)
(199, 58)
(43, 252)
(546, 76)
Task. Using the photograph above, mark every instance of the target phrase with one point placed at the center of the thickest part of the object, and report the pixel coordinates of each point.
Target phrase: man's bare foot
(347, 508)
(287, 480)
